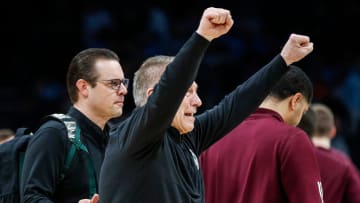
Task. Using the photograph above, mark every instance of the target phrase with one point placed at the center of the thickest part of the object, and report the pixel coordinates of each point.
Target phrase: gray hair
(148, 75)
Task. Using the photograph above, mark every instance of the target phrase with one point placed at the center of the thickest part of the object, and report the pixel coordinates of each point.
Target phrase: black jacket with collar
(149, 161)
(45, 159)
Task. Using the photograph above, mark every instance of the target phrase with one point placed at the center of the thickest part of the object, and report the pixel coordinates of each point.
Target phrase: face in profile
(184, 119)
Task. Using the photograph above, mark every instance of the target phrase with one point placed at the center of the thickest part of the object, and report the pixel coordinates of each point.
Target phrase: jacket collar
(89, 128)
(262, 112)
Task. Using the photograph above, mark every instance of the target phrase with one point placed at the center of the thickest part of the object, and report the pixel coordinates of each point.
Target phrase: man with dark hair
(308, 122)
(96, 86)
(152, 156)
(339, 175)
(266, 159)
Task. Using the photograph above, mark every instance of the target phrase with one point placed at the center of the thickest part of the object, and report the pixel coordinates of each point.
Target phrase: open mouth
(119, 102)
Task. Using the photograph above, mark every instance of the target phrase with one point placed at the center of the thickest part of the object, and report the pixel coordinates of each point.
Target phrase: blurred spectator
(129, 30)
(158, 37)
(339, 176)
(97, 25)
(342, 122)
(350, 87)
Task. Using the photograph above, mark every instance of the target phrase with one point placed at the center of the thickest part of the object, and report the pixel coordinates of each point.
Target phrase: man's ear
(332, 132)
(149, 91)
(295, 100)
(82, 87)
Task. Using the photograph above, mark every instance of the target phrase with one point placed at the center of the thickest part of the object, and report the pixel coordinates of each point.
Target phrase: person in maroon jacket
(266, 159)
(339, 175)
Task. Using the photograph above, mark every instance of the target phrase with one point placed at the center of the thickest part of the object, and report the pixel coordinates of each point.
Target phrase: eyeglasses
(115, 84)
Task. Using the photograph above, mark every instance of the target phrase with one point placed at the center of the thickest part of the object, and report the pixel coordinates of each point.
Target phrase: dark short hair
(294, 81)
(82, 67)
(308, 122)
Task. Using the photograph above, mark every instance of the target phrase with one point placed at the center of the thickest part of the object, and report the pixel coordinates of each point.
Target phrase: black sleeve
(240, 103)
(43, 162)
(151, 121)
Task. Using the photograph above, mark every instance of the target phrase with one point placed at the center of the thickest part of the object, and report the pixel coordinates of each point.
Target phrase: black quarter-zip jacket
(147, 160)
(45, 159)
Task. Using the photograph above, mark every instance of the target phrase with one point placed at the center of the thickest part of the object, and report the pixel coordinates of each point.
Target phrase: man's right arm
(182, 72)
(43, 162)
(163, 104)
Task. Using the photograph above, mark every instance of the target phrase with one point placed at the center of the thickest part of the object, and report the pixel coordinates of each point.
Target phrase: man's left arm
(240, 103)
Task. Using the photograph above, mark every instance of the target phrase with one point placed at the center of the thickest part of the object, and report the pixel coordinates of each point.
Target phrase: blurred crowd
(39, 43)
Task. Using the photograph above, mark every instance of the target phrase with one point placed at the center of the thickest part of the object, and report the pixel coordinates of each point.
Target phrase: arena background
(39, 38)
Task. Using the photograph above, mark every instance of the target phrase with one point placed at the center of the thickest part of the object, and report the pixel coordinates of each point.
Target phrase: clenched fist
(214, 23)
(296, 48)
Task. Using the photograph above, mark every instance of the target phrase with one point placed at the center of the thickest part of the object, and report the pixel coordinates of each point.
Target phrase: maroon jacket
(263, 160)
(340, 177)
